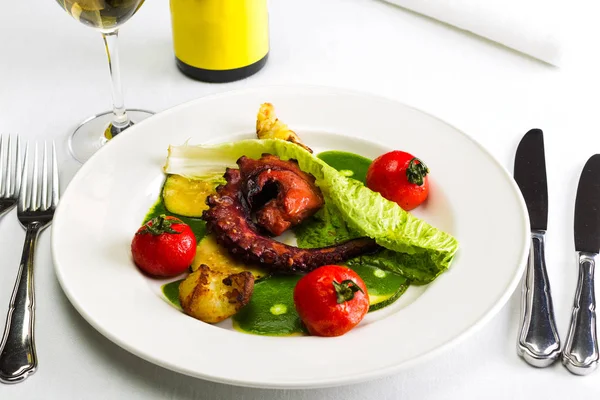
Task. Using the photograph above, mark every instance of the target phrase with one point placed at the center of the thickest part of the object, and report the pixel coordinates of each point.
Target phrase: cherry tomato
(399, 177)
(331, 300)
(164, 246)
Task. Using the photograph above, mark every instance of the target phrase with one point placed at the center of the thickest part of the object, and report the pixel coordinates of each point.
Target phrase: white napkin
(528, 26)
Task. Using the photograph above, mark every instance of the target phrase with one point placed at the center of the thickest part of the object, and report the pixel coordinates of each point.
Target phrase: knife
(580, 354)
(538, 342)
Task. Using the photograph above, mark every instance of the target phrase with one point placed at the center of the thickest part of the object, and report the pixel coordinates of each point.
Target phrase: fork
(35, 209)
(10, 174)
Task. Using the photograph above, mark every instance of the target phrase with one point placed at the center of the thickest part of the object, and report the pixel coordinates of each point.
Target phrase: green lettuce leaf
(327, 227)
(364, 211)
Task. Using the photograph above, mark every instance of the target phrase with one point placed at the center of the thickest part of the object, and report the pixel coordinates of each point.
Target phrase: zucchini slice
(186, 197)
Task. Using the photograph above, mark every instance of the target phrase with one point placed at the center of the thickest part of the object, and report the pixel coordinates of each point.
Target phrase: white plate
(472, 197)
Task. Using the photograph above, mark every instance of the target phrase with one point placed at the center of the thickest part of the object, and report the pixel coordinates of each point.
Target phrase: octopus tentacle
(281, 194)
(229, 218)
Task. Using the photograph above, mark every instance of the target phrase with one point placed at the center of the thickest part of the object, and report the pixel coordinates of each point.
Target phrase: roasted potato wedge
(212, 296)
(268, 126)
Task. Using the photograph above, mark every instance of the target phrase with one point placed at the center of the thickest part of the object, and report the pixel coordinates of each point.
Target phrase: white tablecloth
(53, 74)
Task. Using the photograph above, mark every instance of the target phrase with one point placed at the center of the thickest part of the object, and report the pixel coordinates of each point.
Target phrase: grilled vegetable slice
(268, 126)
(185, 196)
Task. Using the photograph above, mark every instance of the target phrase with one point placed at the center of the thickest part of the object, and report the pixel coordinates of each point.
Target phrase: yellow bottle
(220, 40)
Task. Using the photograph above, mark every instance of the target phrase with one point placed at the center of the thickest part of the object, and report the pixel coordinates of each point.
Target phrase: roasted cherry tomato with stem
(164, 247)
(331, 300)
(399, 177)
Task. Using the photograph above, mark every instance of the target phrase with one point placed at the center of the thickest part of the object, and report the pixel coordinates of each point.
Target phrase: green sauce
(377, 285)
(171, 292)
(344, 162)
(383, 287)
(271, 310)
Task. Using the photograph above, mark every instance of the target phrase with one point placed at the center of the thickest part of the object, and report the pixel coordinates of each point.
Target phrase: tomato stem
(416, 171)
(159, 225)
(345, 290)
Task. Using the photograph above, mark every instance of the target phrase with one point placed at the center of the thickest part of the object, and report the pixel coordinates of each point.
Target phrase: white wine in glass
(106, 16)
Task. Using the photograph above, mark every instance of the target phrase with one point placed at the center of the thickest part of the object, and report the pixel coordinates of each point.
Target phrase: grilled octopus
(229, 217)
(279, 191)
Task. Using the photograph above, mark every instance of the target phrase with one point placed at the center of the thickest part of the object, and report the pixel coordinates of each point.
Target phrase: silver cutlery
(580, 354)
(538, 341)
(11, 163)
(38, 199)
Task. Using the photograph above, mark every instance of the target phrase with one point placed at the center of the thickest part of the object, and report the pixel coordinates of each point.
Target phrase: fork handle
(18, 359)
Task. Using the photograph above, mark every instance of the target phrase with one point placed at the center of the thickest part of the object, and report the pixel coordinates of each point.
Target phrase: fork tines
(34, 196)
(10, 169)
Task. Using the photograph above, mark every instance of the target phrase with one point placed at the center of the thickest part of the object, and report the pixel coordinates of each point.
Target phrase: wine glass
(106, 16)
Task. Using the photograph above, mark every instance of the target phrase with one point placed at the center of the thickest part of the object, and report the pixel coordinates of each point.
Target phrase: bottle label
(220, 34)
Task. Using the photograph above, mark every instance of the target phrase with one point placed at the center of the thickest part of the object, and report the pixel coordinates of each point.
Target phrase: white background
(53, 74)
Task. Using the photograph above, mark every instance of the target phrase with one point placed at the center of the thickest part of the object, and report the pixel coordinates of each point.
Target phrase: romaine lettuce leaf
(327, 227)
(364, 211)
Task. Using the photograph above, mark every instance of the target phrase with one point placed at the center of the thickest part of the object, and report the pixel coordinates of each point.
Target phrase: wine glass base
(89, 137)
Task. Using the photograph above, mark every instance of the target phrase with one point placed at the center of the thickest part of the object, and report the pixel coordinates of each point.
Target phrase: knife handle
(580, 354)
(538, 344)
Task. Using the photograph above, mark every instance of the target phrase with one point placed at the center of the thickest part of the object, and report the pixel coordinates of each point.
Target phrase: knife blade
(530, 174)
(587, 208)
(580, 354)
(538, 341)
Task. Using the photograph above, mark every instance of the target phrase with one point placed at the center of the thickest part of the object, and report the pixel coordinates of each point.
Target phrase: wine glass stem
(120, 119)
